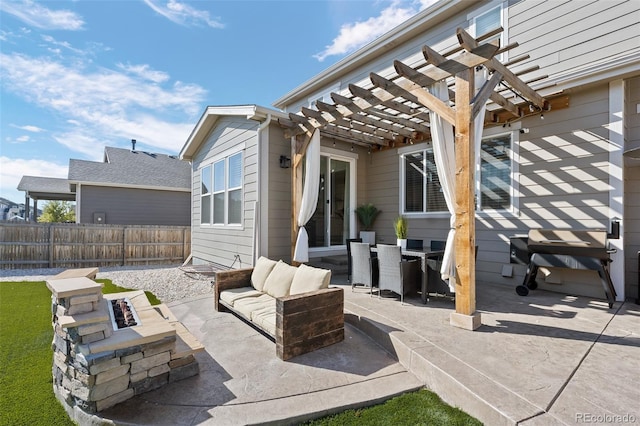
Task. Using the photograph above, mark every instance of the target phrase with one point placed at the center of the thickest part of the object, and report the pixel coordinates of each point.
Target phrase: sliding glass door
(331, 222)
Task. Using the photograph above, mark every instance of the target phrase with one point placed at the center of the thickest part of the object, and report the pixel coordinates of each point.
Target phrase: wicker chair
(395, 274)
(349, 261)
(365, 267)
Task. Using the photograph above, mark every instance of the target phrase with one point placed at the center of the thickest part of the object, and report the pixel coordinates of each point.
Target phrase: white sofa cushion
(279, 280)
(266, 319)
(261, 271)
(230, 296)
(249, 304)
(308, 278)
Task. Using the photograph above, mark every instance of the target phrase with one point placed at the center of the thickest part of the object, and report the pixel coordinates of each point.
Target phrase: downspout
(257, 205)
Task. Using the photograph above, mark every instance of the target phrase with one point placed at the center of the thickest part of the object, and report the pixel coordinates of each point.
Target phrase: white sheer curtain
(443, 138)
(309, 196)
(444, 155)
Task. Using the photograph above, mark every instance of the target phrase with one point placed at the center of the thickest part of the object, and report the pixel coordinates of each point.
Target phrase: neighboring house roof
(46, 188)
(213, 113)
(123, 167)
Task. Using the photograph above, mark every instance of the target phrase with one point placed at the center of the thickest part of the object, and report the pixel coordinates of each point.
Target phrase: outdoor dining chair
(349, 261)
(395, 275)
(365, 267)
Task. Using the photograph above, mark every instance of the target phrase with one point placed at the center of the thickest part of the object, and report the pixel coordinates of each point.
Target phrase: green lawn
(416, 408)
(26, 389)
(26, 393)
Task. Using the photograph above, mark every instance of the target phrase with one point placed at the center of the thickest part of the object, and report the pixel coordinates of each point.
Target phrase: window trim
(513, 210)
(208, 194)
(504, 19)
(224, 157)
(414, 215)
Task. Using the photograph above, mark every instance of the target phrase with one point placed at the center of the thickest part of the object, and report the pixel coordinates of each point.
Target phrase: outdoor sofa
(292, 305)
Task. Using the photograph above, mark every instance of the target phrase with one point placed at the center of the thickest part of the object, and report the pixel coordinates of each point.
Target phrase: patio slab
(242, 381)
(542, 359)
(545, 359)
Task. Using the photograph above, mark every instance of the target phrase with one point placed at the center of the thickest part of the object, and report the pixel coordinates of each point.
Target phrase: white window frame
(504, 37)
(224, 157)
(209, 194)
(514, 208)
(414, 215)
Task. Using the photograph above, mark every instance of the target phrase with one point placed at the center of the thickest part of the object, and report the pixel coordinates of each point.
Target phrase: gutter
(257, 205)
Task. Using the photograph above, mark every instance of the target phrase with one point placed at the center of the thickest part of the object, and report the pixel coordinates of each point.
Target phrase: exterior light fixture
(285, 162)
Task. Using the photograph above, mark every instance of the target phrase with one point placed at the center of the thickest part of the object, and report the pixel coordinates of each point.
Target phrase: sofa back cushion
(279, 280)
(308, 278)
(261, 271)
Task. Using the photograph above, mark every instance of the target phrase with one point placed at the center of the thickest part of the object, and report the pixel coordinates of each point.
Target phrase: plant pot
(368, 237)
(402, 242)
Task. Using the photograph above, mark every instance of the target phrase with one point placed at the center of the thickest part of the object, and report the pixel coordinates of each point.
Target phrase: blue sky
(76, 76)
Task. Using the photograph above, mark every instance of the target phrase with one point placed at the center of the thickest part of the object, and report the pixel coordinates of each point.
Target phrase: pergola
(395, 111)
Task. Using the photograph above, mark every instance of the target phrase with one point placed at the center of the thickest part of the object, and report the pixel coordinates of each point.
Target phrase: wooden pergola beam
(363, 116)
(413, 92)
(434, 58)
(387, 100)
(349, 124)
(469, 43)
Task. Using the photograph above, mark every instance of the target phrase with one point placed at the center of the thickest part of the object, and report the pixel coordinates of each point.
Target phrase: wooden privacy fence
(58, 245)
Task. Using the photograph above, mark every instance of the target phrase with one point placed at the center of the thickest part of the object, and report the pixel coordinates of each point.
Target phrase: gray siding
(564, 183)
(231, 245)
(279, 196)
(129, 206)
(564, 38)
(632, 190)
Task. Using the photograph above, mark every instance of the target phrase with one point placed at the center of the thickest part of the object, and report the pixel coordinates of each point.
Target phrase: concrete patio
(544, 359)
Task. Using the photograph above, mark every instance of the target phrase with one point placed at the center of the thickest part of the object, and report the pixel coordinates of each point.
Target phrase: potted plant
(400, 226)
(367, 214)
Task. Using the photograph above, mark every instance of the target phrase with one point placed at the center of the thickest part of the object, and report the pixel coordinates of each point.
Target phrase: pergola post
(299, 145)
(465, 315)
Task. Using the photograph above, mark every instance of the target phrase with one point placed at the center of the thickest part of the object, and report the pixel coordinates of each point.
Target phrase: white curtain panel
(443, 139)
(444, 154)
(309, 196)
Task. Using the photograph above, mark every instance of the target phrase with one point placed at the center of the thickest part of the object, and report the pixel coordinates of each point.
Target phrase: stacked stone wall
(93, 382)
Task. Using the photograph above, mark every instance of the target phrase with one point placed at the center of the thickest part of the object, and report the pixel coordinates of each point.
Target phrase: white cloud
(104, 107)
(66, 45)
(183, 14)
(29, 128)
(145, 72)
(354, 35)
(14, 168)
(37, 15)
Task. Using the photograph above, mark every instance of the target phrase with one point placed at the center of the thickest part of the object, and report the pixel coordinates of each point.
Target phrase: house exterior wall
(568, 40)
(278, 197)
(231, 244)
(563, 164)
(632, 189)
(131, 206)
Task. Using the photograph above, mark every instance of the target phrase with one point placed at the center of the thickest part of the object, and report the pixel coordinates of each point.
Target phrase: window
(205, 195)
(222, 191)
(421, 191)
(495, 173)
(487, 21)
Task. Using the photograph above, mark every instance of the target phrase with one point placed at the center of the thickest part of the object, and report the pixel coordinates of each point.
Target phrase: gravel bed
(167, 282)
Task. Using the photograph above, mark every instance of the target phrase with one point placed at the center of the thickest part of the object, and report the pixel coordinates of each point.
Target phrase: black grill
(565, 248)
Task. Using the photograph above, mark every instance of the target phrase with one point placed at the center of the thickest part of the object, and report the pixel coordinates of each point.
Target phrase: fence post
(51, 246)
(124, 246)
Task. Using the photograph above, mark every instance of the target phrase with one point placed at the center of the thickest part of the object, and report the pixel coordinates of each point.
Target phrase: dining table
(423, 254)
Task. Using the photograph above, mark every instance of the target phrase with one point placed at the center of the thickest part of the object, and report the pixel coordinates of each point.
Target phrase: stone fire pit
(97, 365)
